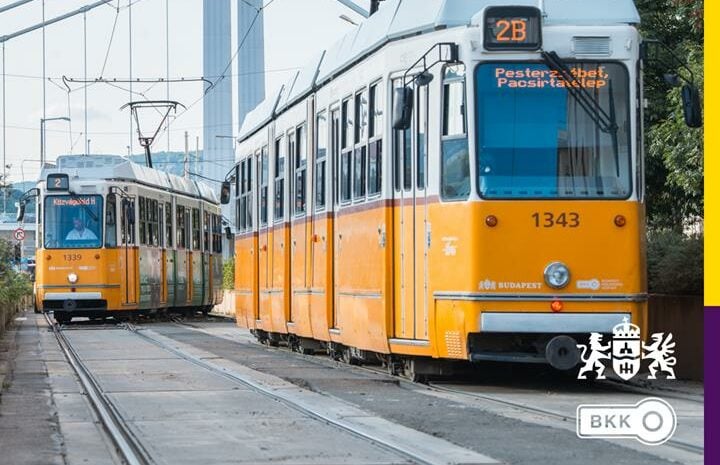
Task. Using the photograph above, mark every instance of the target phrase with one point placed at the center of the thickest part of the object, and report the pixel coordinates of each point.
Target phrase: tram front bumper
(74, 302)
(547, 338)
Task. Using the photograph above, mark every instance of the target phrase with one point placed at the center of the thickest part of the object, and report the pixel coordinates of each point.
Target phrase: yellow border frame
(712, 163)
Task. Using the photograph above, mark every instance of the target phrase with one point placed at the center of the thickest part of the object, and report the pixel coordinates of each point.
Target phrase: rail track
(340, 424)
(609, 386)
(126, 445)
(130, 449)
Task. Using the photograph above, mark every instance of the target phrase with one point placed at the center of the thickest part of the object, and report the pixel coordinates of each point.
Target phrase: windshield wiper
(606, 122)
(87, 209)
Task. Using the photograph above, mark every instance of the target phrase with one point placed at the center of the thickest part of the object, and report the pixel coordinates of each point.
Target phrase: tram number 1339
(552, 220)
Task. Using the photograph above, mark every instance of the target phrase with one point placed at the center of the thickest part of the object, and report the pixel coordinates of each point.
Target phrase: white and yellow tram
(116, 238)
(454, 179)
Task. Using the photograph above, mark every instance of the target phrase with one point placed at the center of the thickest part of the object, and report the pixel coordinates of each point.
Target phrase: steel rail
(610, 386)
(339, 424)
(549, 413)
(130, 449)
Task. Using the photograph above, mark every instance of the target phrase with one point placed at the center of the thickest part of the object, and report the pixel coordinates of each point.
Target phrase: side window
(244, 201)
(375, 132)
(143, 221)
(300, 164)
(206, 231)
(263, 169)
(402, 154)
(422, 135)
(360, 153)
(321, 160)
(111, 221)
(455, 158)
(168, 225)
(345, 153)
(279, 180)
(154, 221)
(195, 229)
(180, 227)
(128, 222)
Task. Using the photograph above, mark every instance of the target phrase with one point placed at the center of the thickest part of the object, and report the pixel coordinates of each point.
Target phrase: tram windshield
(537, 140)
(73, 222)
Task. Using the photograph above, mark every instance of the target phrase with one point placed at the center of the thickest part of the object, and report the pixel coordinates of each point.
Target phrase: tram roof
(403, 18)
(117, 168)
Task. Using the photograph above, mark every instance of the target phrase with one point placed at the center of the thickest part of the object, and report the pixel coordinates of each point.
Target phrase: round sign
(19, 234)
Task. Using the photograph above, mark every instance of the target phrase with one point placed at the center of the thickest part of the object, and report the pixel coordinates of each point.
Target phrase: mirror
(402, 111)
(424, 79)
(225, 193)
(692, 107)
(228, 233)
(21, 212)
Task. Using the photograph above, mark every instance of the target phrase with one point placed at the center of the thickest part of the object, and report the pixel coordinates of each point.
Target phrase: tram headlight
(557, 275)
(72, 278)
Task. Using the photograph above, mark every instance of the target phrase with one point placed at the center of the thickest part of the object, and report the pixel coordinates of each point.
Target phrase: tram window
(206, 231)
(279, 180)
(143, 221)
(375, 168)
(128, 222)
(422, 135)
(345, 173)
(455, 169)
(180, 227)
(346, 125)
(168, 226)
(375, 126)
(263, 169)
(320, 160)
(406, 138)
(359, 172)
(195, 229)
(361, 116)
(154, 223)
(300, 170)
(375, 145)
(111, 221)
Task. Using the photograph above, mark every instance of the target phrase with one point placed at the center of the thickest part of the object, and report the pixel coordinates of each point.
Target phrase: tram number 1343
(551, 220)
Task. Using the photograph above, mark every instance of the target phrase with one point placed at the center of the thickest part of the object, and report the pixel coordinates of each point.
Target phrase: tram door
(128, 252)
(333, 200)
(264, 242)
(411, 230)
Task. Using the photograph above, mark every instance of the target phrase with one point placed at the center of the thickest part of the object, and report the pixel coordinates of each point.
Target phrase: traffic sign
(19, 234)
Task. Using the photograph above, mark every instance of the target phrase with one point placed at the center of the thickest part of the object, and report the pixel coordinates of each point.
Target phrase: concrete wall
(683, 317)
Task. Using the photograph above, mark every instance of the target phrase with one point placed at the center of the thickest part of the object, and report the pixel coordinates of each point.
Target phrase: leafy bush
(675, 263)
(229, 274)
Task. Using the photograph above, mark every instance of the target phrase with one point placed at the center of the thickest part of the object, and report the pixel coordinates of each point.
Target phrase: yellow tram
(116, 238)
(454, 180)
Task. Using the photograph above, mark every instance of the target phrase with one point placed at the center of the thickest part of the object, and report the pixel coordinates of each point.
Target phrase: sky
(295, 30)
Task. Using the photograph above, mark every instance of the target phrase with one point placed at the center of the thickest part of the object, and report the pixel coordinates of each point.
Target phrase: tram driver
(79, 232)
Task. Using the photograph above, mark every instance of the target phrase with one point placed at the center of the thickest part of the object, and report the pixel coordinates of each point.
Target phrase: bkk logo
(627, 350)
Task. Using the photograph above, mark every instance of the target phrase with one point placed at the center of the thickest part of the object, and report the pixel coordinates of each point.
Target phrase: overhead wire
(230, 63)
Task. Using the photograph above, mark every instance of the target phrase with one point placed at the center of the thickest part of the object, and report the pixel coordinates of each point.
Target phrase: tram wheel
(63, 319)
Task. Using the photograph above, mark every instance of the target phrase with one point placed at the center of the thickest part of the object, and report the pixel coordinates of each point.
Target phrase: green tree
(674, 163)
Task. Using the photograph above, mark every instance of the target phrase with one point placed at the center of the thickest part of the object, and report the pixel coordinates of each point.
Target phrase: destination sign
(74, 201)
(533, 78)
(517, 28)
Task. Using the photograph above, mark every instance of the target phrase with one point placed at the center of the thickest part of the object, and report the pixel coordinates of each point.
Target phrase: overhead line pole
(14, 5)
(356, 8)
(57, 19)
